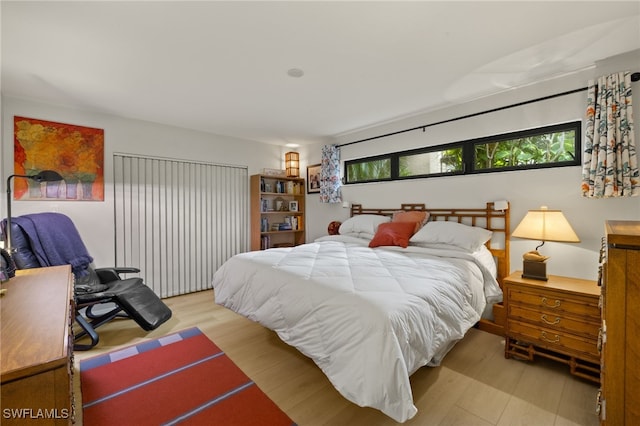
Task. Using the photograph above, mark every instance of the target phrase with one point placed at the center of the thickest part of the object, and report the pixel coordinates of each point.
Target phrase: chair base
(138, 302)
(89, 327)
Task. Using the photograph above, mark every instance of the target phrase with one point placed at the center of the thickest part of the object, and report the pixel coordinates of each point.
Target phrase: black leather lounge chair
(49, 239)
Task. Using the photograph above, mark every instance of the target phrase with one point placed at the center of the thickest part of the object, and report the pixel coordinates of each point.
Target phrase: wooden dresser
(37, 345)
(619, 398)
(557, 319)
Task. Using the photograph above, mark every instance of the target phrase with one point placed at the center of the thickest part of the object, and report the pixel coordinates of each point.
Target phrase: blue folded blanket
(55, 241)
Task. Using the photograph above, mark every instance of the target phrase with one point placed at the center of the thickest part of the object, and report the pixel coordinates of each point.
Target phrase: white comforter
(369, 318)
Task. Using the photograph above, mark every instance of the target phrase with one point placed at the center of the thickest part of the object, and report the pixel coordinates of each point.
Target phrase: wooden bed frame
(496, 221)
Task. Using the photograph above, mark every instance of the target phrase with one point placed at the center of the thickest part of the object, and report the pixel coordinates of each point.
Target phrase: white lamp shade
(545, 225)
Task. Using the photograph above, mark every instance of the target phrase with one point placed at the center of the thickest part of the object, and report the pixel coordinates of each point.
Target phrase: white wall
(558, 188)
(94, 219)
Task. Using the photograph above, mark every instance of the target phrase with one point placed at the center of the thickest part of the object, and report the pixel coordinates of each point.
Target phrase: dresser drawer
(556, 340)
(556, 302)
(555, 321)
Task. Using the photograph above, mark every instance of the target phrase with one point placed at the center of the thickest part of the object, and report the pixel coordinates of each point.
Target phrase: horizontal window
(556, 147)
(431, 163)
(368, 170)
(550, 146)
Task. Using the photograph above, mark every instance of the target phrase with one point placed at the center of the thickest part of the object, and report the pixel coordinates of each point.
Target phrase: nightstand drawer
(555, 340)
(555, 321)
(556, 302)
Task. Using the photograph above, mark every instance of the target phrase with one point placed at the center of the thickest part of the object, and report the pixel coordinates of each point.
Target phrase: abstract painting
(76, 152)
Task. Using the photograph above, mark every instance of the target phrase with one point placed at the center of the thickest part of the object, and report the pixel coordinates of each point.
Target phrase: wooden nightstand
(557, 319)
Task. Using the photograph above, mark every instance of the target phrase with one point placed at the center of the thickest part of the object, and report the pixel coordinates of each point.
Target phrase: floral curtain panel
(610, 163)
(330, 175)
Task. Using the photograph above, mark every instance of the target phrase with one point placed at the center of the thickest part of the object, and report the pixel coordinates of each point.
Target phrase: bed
(379, 300)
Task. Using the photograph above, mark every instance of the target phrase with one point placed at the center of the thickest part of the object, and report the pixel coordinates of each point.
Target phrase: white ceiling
(221, 67)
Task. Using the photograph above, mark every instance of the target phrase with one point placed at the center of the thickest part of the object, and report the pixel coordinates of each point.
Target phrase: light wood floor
(475, 386)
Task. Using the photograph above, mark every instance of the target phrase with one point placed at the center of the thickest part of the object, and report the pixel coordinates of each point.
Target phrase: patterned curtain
(610, 163)
(330, 175)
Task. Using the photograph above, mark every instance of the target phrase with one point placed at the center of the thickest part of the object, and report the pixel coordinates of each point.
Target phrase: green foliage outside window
(431, 163)
(541, 149)
(453, 158)
(369, 170)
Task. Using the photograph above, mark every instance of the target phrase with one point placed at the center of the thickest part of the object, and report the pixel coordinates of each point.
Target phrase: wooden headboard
(496, 221)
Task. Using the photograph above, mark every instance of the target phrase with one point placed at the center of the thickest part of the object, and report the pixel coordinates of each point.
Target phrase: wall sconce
(292, 164)
(43, 176)
(543, 225)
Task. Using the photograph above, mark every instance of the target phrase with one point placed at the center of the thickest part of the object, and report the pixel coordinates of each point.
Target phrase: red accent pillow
(418, 216)
(393, 234)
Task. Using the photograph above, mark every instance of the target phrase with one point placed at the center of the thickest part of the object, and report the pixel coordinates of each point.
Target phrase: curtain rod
(634, 77)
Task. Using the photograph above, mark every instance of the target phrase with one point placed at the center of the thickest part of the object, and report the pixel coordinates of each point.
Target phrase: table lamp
(543, 225)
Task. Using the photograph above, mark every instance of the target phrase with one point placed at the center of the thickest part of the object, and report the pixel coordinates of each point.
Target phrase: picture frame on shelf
(293, 206)
(280, 205)
(313, 179)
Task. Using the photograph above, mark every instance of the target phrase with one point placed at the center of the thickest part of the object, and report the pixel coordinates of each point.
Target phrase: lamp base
(534, 270)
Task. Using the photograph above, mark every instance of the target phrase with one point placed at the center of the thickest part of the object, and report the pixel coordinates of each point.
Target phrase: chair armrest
(112, 274)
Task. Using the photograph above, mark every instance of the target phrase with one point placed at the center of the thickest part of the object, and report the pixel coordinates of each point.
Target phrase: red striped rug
(182, 378)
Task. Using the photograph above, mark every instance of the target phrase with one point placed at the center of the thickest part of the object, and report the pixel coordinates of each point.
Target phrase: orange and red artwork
(76, 152)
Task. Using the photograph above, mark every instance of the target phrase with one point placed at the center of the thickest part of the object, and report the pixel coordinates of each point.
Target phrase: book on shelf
(265, 242)
(292, 221)
(281, 226)
(284, 226)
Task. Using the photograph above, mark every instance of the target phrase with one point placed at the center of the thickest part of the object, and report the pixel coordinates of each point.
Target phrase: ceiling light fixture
(295, 72)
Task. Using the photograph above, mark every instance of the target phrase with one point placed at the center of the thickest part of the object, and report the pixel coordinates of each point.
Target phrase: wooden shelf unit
(266, 190)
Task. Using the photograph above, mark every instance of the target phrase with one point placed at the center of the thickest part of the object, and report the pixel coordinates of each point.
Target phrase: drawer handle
(600, 341)
(546, 339)
(546, 321)
(600, 276)
(545, 302)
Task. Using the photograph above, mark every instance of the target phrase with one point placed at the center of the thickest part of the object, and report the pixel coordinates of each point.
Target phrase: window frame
(468, 154)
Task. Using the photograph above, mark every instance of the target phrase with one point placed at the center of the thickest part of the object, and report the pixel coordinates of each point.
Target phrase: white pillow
(363, 225)
(457, 234)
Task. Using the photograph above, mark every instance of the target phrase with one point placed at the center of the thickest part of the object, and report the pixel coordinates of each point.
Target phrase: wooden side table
(557, 319)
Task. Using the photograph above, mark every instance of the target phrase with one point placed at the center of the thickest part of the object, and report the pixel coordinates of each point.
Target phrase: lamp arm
(43, 176)
(540, 245)
(8, 230)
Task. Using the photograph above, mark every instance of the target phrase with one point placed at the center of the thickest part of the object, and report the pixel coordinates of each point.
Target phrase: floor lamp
(43, 176)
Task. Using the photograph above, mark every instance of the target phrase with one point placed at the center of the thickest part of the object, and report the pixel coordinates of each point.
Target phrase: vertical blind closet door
(178, 220)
